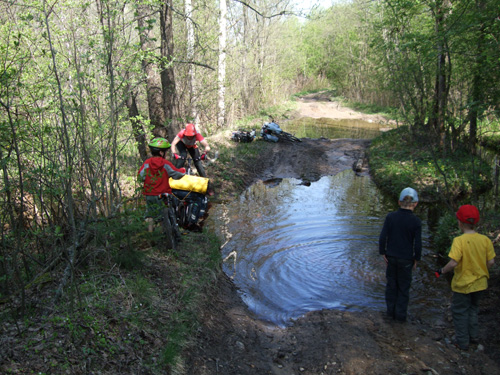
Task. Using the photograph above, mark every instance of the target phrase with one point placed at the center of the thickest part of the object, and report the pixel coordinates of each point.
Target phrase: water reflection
(292, 249)
(307, 127)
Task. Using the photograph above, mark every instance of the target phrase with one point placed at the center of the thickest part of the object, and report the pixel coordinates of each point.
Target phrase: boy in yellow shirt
(472, 255)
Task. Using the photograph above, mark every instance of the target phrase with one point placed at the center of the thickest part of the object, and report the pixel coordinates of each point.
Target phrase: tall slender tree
(221, 77)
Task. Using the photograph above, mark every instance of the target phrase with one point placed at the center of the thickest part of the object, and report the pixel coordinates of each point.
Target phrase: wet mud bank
(231, 341)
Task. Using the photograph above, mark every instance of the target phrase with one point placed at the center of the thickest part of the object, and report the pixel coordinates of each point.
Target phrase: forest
(85, 85)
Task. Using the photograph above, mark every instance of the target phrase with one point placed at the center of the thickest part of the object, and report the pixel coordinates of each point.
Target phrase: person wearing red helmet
(471, 256)
(184, 142)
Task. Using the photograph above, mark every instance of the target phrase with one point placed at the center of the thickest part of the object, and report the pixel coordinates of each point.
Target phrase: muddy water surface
(306, 127)
(291, 248)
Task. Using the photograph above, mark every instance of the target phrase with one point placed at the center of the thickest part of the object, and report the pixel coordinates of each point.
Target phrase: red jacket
(155, 172)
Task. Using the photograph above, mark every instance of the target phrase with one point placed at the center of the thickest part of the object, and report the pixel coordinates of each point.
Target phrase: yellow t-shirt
(472, 252)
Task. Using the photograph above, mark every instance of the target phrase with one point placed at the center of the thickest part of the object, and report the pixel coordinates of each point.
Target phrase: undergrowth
(127, 308)
(398, 160)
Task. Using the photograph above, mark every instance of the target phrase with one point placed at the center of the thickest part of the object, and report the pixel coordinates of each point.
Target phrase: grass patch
(197, 269)
(398, 160)
(326, 93)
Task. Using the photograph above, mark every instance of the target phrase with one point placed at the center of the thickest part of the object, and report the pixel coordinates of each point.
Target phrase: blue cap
(409, 192)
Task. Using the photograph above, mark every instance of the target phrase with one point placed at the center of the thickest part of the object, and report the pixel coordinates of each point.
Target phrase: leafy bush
(446, 230)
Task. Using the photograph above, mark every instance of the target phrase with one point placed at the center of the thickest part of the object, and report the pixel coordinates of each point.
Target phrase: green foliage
(120, 236)
(490, 136)
(492, 142)
(128, 258)
(398, 159)
(277, 112)
(412, 37)
(446, 230)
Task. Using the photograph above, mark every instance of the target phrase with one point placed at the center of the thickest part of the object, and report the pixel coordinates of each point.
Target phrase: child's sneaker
(460, 347)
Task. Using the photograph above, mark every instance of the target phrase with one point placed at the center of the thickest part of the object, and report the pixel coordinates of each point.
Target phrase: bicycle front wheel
(288, 137)
(175, 226)
(183, 214)
(200, 168)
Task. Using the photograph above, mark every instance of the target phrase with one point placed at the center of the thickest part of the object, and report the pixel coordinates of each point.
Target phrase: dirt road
(334, 342)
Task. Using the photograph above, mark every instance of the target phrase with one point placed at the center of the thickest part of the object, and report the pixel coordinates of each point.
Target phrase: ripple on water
(303, 248)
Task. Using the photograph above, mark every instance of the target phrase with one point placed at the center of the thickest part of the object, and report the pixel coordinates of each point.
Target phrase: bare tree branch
(282, 13)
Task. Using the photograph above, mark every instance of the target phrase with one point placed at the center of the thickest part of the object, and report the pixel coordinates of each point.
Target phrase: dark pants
(464, 308)
(195, 155)
(397, 291)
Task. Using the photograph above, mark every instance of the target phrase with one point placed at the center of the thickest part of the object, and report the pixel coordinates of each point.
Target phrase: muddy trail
(232, 342)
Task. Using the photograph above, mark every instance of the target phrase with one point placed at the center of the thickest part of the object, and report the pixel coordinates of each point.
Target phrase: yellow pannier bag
(190, 183)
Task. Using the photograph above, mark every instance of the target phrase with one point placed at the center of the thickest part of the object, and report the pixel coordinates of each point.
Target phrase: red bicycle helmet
(190, 130)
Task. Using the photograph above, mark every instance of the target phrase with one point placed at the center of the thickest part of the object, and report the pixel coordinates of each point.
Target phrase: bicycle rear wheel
(171, 233)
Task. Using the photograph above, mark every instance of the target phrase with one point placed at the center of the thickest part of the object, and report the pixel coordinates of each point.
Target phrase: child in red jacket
(155, 173)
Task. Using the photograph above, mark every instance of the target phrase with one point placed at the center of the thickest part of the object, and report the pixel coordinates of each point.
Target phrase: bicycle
(284, 136)
(191, 201)
(170, 228)
(272, 132)
(243, 136)
(189, 168)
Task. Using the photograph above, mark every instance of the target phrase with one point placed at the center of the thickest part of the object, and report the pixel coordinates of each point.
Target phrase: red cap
(190, 130)
(468, 214)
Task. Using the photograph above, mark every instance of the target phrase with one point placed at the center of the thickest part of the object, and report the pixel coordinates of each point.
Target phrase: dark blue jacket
(401, 235)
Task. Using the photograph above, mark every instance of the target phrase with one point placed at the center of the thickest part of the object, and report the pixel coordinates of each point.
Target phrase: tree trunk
(244, 74)
(193, 108)
(221, 118)
(167, 69)
(137, 127)
(153, 81)
(477, 93)
(438, 115)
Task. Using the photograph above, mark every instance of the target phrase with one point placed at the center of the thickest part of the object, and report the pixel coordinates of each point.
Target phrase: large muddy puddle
(291, 249)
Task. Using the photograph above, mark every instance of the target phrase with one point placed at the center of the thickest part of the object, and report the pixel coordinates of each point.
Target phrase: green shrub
(446, 230)
(399, 159)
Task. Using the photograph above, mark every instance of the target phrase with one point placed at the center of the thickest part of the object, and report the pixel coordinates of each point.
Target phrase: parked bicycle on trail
(155, 172)
(272, 132)
(186, 141)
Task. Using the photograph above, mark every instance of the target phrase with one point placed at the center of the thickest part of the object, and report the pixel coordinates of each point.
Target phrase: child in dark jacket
(155, 172)
(400, 243)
